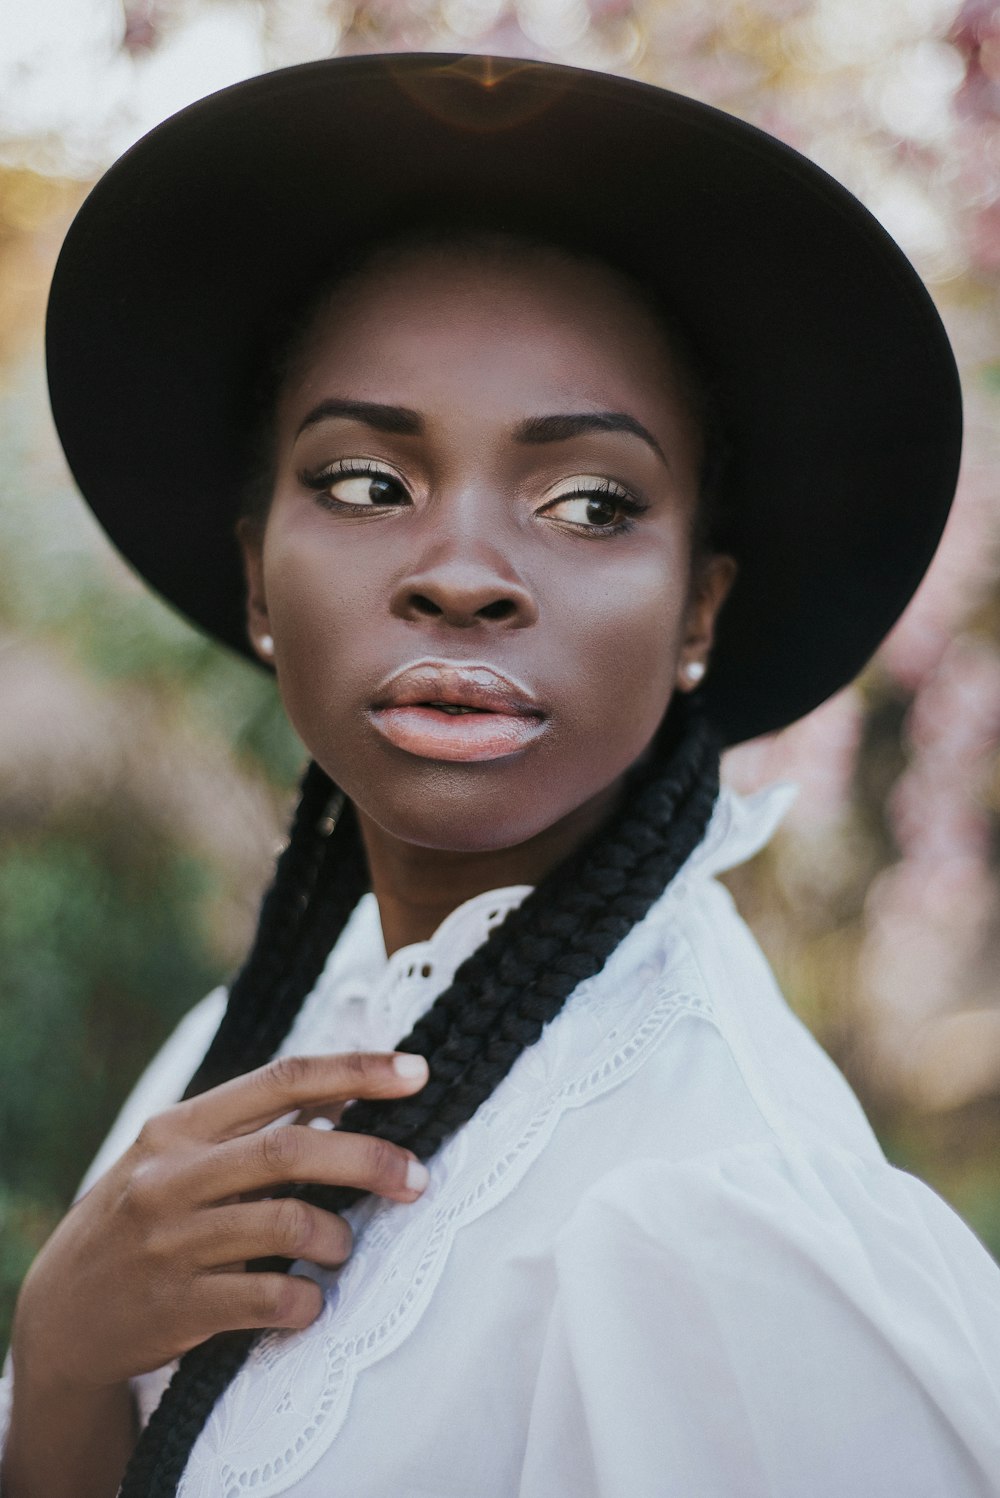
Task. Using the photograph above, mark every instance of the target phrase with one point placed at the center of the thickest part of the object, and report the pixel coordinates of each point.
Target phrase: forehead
(488, 325)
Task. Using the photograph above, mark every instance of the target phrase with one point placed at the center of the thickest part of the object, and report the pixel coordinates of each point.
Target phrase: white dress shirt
(666, 1259)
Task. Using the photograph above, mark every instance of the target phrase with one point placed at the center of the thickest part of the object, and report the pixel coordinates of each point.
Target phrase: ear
(714, 575)
(250, 535)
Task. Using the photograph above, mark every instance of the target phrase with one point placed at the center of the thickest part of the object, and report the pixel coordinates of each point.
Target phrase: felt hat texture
(831, 365)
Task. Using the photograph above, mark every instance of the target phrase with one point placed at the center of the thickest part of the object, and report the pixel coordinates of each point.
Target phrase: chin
(461, 810)
(480, 825)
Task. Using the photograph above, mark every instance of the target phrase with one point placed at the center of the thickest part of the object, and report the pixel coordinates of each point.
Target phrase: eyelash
(323, 478)
(628, 505)
(345, 468)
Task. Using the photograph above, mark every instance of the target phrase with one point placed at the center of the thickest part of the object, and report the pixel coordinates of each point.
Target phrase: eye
(356, 484)
(596, 504)
(590, 509)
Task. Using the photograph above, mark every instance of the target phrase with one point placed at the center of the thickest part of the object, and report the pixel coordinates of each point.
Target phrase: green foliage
(25, 1223)
(106, 915)
(104, 948)
(956, 1160)
(103, 951)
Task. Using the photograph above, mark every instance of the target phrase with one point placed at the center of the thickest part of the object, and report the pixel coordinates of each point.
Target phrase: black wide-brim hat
(833, 371)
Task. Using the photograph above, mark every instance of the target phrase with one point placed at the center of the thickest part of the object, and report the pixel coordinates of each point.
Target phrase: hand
(153, 1260)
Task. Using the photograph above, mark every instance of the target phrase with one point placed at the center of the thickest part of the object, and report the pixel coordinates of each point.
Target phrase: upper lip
(457, 683)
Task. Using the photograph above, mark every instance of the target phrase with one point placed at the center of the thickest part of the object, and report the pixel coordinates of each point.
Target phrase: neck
(416, 887)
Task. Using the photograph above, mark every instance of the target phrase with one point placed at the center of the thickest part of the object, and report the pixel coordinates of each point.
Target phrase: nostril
(425, 605)
(501, 608)
(463, 598)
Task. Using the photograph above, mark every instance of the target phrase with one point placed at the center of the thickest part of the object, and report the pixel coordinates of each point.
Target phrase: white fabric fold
(769, 1323)
(667, 1257)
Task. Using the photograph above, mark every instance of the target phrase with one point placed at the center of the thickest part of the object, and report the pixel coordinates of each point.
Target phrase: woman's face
(485, 472)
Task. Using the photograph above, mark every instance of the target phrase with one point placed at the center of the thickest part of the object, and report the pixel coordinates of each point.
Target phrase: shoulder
(695, 942)
(786, 1321)
(762, 1208)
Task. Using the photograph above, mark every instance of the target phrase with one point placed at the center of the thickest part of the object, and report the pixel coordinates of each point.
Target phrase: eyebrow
(396, 419)
(402, 422)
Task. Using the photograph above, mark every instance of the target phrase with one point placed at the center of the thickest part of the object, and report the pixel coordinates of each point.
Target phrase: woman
(543, 431)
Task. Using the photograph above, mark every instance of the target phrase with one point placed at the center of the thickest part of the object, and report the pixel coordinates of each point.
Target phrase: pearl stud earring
(266, 645)
(694, 671)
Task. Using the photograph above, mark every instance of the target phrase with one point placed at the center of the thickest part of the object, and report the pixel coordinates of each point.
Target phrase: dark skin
(566, 563)
(488, 537)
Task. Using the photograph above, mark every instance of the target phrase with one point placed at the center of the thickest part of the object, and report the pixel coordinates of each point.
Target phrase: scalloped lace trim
(293, 1396)
(285, 1408)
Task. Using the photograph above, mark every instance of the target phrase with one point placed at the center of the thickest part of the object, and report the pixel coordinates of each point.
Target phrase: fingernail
(417, 1175)
(409, 1066)
(321, 1122)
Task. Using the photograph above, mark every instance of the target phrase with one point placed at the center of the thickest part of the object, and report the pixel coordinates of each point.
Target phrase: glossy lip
(508, 717)
(457, 683)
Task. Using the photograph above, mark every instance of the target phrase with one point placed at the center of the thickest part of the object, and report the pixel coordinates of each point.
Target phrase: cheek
(626, 643)
(314, 604)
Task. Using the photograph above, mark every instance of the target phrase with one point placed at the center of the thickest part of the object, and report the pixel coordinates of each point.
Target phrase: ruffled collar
(740, 826)
(366, 999)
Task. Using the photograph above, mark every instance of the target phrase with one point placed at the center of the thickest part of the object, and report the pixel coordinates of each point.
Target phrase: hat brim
(836, 378)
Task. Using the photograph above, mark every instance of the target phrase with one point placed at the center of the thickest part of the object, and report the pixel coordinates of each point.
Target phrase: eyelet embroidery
(297, 1387)
(307, 1384)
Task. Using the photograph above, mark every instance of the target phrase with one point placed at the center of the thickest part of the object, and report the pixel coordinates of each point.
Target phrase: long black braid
(318, 881)
(506, 991)
(498, 1003)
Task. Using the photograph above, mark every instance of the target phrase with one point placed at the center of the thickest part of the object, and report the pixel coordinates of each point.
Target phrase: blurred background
(146, 775)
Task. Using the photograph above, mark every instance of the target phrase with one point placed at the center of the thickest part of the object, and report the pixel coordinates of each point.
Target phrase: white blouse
(667, 1259)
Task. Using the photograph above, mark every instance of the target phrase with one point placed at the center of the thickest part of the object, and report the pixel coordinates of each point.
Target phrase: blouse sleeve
(769, 1324)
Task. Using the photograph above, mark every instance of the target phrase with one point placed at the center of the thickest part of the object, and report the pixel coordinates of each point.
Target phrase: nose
(464, 580)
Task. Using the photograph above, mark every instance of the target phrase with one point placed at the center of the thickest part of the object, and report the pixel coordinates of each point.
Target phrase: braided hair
(503, 994)
(498, 1003)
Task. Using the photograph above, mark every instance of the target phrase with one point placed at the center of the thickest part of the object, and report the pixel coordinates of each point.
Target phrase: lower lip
(458, 736)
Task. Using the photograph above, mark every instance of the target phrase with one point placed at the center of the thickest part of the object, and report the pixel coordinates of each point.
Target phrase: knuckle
(384, 1163)
(293, 1227)
(344, 1240)
(305, 1302)
(140, 1194)
(356, 1065)
(154, 1136)
(267, 1300)
(278, 1150)
(274, 1301)
(287, 1073)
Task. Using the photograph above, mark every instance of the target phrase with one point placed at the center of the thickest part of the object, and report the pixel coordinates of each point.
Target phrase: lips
(454, 711)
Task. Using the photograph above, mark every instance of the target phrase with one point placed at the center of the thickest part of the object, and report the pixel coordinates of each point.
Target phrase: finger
(291, 1154)
(293, 1082)
(236, 1302)
(284, 1228)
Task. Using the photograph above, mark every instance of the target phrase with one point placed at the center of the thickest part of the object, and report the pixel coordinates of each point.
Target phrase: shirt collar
(386, 995)
(371, 999)
(740, 826)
